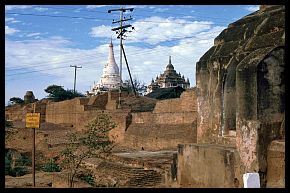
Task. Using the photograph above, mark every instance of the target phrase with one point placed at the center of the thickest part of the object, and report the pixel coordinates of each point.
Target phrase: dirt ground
(51, 139)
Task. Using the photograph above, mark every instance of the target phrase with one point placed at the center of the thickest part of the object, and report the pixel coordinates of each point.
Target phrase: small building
(169, 78)
(110, 78)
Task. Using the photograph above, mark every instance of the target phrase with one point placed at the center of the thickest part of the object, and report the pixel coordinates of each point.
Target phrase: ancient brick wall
(18, 113)
(169, 105)
(241, 87)
(64, 112)
(158, 136)
(243, 44)
(171, 122)
(164, 118)
(76, 113)
(98, 102)
(276, 164)
(186, 103)
(15, 113)
(208, 166)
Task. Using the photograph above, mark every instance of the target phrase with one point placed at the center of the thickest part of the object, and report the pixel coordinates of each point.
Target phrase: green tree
(94, 142)
(51, 166)
(140, 87)
(57, 93)
(16, 100)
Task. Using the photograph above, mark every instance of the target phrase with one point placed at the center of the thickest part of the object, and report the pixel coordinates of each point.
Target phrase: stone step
(137, 177)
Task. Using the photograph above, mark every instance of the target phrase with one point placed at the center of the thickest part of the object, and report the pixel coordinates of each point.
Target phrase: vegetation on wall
(16, 100)
(16, 165)
(57, 93)
(51, 166)
(140, 87)
(94, 142)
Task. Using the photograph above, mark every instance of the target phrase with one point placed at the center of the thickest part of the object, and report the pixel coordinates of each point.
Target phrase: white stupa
(110, 78)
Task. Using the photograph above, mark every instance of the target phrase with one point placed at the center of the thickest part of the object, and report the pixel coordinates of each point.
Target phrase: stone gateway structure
(240, 100)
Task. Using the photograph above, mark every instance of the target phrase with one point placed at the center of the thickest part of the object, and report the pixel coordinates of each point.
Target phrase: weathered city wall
(98, 101)
(241, 87)
(186, 103)
(229, 69)
(15, 113)
(276, 164)
(18, 112)
(156, 137)
(79, 111)
(66, 112)
(164, 118)
(172, 121)
(208, 166)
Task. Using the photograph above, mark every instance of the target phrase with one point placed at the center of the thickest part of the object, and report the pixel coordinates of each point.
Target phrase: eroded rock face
(241, 87)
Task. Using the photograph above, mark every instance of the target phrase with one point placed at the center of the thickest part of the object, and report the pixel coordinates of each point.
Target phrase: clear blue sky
(41, 42)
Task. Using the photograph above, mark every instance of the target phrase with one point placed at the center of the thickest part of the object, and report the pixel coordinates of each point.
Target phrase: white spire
(111, 58)
(110, 78)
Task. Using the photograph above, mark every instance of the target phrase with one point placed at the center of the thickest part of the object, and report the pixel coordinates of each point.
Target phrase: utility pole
(75, 75)
(33, 150)
(121, 31)
(129, 72)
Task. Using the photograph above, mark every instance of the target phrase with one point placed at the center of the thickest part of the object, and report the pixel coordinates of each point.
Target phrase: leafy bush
(16, 167)
(89, 178)
(19, 171)
(95, 142)
(16, 100)
(57, 93)
(8, 124)
(51, 166)
(26, 160)
(7, 165)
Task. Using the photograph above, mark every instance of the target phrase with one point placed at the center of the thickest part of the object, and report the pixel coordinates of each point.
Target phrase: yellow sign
(32, 120)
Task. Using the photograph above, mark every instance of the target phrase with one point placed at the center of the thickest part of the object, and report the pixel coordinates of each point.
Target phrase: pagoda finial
(169, 59)
(111, 43)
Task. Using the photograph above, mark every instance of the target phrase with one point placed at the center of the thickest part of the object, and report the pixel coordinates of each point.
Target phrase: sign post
(33, 121)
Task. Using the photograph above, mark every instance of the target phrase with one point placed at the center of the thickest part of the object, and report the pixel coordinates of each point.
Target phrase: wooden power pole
(121, 31)
(75, 80)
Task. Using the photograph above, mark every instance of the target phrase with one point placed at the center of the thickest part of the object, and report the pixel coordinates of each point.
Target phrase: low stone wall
(18, 112)
(98, 102)
(276, 165)
(186, 102)
(15, 113)
(64, 112)
(164, 118)
(207, 166)
(158, 136)
(172, 121)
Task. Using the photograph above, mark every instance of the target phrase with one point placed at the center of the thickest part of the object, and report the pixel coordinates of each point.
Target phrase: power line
(183, 14)
(94, 18)
(34, 71)
(81, 59)
(72, 59)
(56, 16)
(93, 56)
(148, 11)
